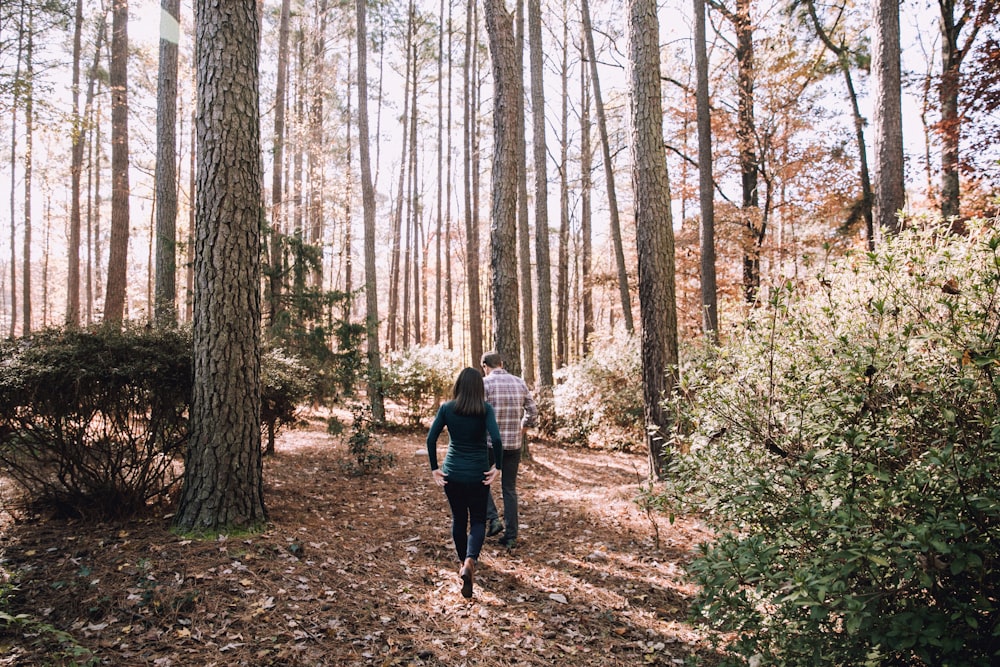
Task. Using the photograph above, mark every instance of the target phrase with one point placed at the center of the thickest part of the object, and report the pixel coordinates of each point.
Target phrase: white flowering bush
(419, 377)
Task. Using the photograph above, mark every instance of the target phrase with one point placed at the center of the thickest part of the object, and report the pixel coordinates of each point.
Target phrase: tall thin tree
(609, 170)
(706, 182)
(375, 389)
(469, 185)
(76, 172)
(887, 116)
(542, 258)
(654, 228)
(114, 300)
(165, 300)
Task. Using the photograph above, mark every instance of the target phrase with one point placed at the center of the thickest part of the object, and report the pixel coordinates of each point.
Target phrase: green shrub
(286, 384)
(599, 399)
(366, 454)
(419, 377)
(92, 421)
(846, 448)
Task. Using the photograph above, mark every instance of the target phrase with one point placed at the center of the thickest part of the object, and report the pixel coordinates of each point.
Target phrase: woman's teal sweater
(467, 457)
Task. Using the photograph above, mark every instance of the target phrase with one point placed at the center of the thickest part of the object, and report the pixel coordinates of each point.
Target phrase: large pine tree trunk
(223, 476)
(503, 218)
(887, 116)
(609, 170)
(166, 167)
(114, 300)
(654, 228)
(375, 396)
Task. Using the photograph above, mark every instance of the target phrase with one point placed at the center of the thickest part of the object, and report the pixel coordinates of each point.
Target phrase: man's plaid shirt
(512, 402)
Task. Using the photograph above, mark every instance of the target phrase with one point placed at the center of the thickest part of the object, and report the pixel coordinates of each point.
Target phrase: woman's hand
(438, 476)
(491, 476)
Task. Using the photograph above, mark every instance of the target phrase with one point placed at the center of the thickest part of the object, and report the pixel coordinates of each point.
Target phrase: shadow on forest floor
(361, 571)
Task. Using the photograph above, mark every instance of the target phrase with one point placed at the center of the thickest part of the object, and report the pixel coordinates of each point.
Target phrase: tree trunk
(316, 152)
(542, 259)
(397, 224)
(29, 125)
(562, 264)
(654, 229)
(166, 167)
(503, 218)
(706, 183)
(114, 300)
(887, 116)
(375, 389)
(585, 212)
(843, 55)
(747, 135)
(523, 233)
(609, 171)
(439, 186)
(448, 288)
(76, 171)
(13, 177)
(274, 279)
(471, 219)
(223, 477)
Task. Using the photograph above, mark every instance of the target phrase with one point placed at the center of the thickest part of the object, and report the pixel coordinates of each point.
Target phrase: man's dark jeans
(508, 487)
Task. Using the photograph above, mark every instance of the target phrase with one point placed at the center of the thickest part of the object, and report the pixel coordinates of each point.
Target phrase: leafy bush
(846, 448)
(286, 384)
(419, 377)
(600, 398)
(366, 452)
(91, 420)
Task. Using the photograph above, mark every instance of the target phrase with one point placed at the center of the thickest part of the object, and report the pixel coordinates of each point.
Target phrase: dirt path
(361, 571)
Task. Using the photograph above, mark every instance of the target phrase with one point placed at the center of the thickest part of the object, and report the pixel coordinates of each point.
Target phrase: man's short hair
(492, 359)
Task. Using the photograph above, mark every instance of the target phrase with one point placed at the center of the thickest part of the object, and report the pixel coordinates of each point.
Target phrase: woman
(466, 474)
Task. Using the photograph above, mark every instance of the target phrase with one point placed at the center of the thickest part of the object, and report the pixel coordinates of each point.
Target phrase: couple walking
(486, 419)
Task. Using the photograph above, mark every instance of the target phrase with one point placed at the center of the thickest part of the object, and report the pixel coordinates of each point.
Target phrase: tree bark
(114, 300)
(542, 259)
(274, 280)
(706, 183)
(562, 263)
(76, 171)
(165, 299)
(887, 116)
(609, 171)
(223, 477)
(654, 228)
(523, 231)
(471, 220)
(375, 388)
(29, 127)
(503, 217)
(585, 212)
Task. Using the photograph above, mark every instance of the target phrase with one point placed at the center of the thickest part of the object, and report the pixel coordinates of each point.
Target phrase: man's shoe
(508, 542)
(495, 527)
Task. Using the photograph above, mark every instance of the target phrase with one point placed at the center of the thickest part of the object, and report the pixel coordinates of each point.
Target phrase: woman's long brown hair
(469, 394)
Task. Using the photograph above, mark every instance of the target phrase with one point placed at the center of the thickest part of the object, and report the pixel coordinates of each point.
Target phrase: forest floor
(362, 571)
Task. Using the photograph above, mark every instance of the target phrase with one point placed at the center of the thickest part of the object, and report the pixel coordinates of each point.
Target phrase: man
(515, 411)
